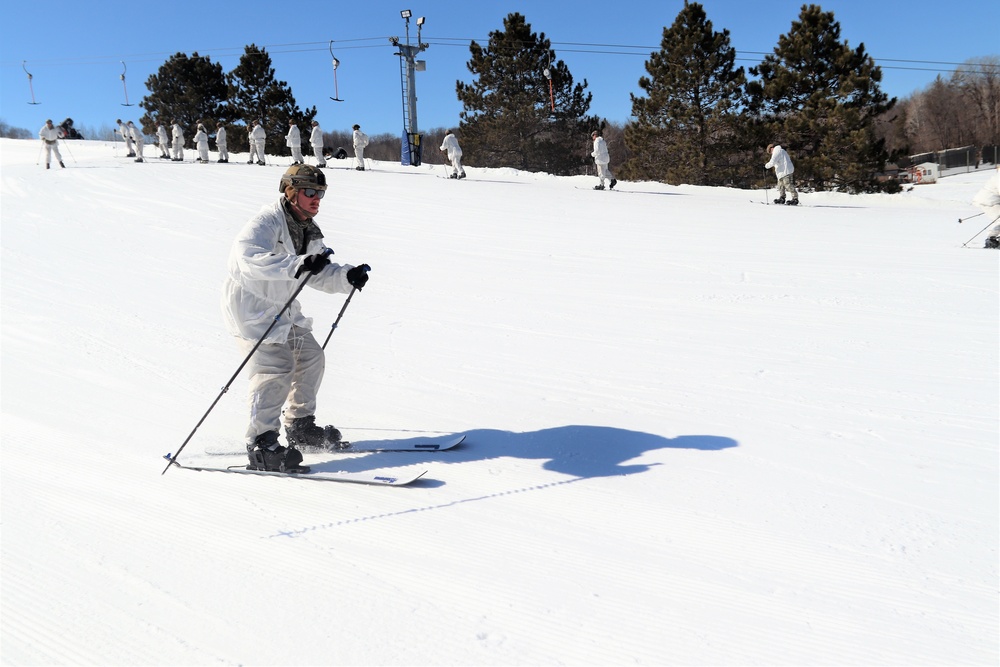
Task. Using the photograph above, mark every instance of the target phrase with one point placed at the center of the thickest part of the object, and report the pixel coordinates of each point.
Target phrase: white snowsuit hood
(262, 266)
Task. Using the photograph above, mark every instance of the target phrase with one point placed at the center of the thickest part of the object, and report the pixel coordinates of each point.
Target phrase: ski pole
(39, 158)
(339, 315)
(981, 231)
(961, 220)
(66, 146)
(366, 269)
(173, 458)
(767, 199)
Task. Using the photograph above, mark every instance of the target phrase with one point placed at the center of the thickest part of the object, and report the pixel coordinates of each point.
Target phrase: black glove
(313, 264)
(358, 276)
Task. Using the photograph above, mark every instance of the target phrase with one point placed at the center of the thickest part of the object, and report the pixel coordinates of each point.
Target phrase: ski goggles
(313, 193)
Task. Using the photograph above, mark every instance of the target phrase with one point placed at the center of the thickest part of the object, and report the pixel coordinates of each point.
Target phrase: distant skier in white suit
(360, 141)
(316, 141)
(454, 151)
(602, 159)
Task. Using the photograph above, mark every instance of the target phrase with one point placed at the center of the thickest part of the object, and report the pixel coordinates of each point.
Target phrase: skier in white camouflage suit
(601, 160)
(783, 170)
(294, 141)
(220, 143)
(988, 199)
(201, 144)
(259, 137)
(316, 141)
(138, 139)
(280, 248)
(126, 136)
(450, 147)
(360, 140)
(162, 140)
(178, 146)
(50, 136)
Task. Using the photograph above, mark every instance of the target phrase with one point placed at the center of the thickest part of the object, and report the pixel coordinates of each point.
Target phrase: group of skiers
(171, 144)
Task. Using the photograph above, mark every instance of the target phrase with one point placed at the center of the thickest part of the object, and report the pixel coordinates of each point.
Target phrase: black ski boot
(780, 200)
(793, 202)
(303, 432)
(614, 182)
(266, 454)
(599, 187)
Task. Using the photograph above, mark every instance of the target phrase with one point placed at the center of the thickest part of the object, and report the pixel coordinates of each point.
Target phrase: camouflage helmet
(302, 176)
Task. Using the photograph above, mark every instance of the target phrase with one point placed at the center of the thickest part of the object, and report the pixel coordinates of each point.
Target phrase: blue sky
(75, 49)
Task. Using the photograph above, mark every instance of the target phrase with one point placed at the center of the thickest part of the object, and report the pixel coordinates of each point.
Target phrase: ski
(347, 447)
(372, 478)
(399, 446)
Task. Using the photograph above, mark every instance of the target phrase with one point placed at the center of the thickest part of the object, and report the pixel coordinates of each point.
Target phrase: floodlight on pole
(408, 67)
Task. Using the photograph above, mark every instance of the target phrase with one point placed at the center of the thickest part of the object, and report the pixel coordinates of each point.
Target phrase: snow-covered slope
(701, 430)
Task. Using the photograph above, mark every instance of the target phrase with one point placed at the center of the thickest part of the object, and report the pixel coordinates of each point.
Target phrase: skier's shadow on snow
(577, 450)
(584, 451)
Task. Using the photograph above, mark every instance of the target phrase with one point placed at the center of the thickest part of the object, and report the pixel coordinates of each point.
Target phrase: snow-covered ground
(701, 430)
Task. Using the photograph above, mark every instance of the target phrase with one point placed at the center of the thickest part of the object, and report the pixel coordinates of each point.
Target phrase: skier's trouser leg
(457, 164)
(283, 373)
(203, 153)
(138, 148)
(360, 154)
(178, 150)
(49, 149)
(603, 172)
(223, 152)
(318, 153)
(259, 147)
(297, 154)
(786, 183)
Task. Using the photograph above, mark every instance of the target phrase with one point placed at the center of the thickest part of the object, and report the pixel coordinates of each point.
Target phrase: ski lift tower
(408, 66)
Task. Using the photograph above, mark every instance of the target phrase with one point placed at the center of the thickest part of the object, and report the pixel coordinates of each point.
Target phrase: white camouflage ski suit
(450, 144)
(602, 159)
(259, 137)
(783, 170)
(360, 141)
(220, 143)
(287, 369)
(294, 141)
(50, 137)
(178, 136)
(316, 141)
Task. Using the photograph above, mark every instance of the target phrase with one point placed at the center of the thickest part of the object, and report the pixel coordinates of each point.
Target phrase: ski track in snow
(700, 431)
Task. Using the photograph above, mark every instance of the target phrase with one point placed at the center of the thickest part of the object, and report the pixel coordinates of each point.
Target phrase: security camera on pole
(408, 66)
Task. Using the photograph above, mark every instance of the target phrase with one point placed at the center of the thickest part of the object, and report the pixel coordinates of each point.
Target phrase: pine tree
(508, 118)
(819, 98)
(187, 89)
(254, 94)
(684, 128)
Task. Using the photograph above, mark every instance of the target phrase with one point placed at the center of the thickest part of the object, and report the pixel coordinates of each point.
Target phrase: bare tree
(978, 82)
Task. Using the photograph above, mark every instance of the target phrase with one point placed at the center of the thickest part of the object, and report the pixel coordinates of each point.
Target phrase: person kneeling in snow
(279, 249)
